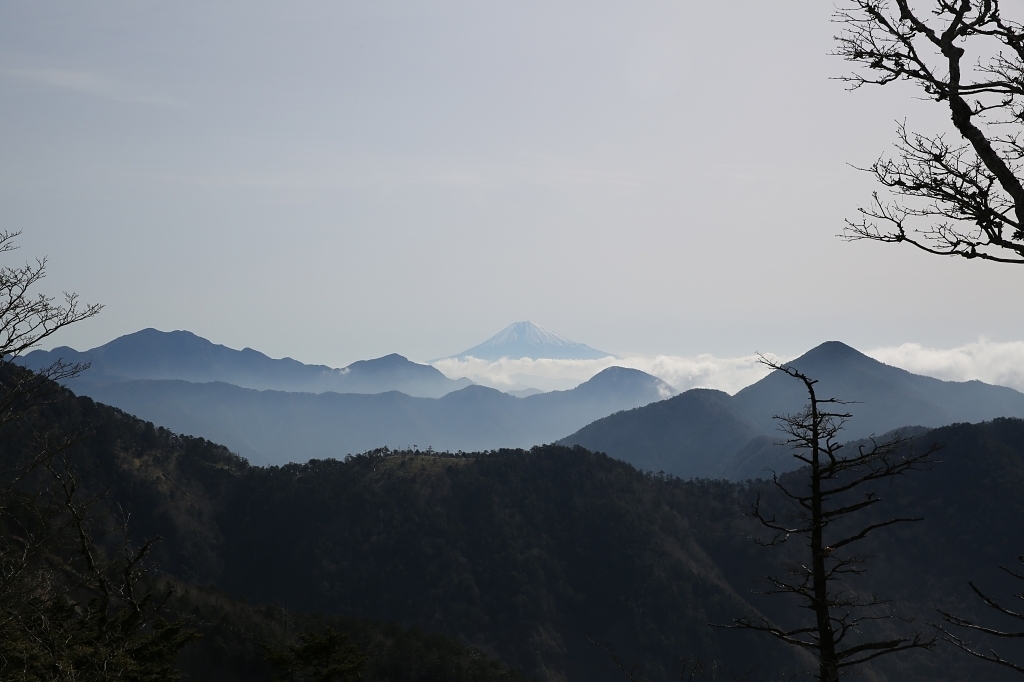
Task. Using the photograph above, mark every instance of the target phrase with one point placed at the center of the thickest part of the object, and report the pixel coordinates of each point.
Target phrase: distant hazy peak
(529, 333)
(391, 359)
(529, 340)
(833, 356)
(834, 350)
(182, 355)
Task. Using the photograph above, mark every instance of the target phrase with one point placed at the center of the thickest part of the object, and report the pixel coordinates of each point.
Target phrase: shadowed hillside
(277, 427)
(880, 397)
(527, 553)
(689, 435)
(693, 435)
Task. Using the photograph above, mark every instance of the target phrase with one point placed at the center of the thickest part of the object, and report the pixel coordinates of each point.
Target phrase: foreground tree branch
(952, 198)
(824, 501)
(971, 627)
(72, 606)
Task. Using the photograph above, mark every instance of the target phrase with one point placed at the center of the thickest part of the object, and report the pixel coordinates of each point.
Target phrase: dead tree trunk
(827, 497)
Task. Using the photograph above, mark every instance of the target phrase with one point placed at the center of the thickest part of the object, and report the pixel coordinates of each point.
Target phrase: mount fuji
(529, 340)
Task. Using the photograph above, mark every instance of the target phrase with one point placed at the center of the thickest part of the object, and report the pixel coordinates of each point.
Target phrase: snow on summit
(529, 340)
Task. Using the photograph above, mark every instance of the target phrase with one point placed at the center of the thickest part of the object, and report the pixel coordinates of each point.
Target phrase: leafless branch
(967, 197)
(820, 498)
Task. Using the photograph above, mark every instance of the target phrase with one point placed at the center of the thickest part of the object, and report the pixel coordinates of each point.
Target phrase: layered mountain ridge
(274, 427)
(184, 356)
(703, 433)
(276, 411)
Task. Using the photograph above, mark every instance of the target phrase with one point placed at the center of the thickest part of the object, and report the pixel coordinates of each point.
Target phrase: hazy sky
(340, 180)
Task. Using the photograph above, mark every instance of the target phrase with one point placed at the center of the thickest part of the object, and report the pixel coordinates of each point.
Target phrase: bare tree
(828, 500)
(81, 603)
(964, 624)
(952, 197)
(967, 194)
(74, 605)
(28, 527)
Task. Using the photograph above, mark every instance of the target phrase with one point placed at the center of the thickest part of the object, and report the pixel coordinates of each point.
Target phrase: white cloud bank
(682, 373)
(1000, 363)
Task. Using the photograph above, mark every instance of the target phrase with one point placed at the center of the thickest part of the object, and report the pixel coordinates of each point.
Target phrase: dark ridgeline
(183, 356)
(705, 433)
(277, 426)
(275, 411)
(700, 433)
(526, 554)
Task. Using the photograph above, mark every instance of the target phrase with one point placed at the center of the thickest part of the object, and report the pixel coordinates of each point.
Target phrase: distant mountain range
(276, 411)
(274, 427)
(707, 433)
(181, 355)
(529, 340)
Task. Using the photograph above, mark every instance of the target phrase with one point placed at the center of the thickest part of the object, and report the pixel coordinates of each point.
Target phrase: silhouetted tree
(70, 608)
(991, 632)
(829, 499)
(969, 57)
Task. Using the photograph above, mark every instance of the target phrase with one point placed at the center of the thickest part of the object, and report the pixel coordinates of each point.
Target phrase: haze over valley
(277, 411)
(511, 342)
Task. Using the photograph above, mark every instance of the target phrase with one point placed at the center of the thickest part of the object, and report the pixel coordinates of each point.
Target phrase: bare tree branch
(965, 624)
(967, 198)
(820, 494)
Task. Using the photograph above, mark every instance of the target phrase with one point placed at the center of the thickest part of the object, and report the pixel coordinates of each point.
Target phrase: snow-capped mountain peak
(529, 340)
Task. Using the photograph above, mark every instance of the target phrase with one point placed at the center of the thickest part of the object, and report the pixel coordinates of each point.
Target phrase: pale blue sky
(340, 180)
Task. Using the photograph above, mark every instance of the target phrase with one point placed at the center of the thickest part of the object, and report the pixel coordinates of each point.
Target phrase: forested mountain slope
(690, 435)
(528, 553)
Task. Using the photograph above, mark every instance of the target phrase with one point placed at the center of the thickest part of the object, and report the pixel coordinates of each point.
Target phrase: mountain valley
(516, 556)
(526, 554)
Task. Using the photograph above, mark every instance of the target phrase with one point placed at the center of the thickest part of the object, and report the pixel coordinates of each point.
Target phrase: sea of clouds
(993, 362)
(1000, 363)
(682, 373)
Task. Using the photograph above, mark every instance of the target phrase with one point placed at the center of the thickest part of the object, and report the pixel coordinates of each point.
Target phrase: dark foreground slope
(277, 426)
(702, 433)
(169, 485)
(526, 554)
(523, 553)
(234, 633)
